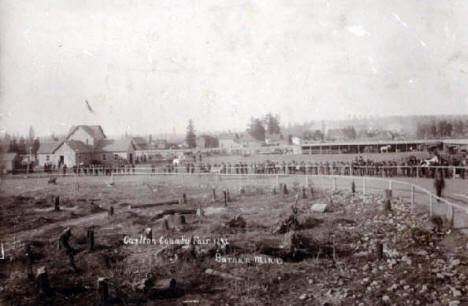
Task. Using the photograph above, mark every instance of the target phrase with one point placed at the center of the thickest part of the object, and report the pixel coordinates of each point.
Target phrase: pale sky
(148, 66)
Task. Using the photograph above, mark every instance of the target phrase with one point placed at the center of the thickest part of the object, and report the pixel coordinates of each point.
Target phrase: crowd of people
(361, 167)
(93, 169)
(410, 167)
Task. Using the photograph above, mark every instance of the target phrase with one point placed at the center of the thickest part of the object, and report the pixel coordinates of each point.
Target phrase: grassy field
(280, 252)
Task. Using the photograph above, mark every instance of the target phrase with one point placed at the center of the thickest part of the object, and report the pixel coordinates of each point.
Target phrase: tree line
(442, 128)
(20, 144)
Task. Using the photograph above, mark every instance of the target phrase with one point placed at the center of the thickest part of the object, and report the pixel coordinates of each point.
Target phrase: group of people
(361, 167)
(96, 169)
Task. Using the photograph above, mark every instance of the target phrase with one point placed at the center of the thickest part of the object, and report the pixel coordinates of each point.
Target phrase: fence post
(412, 198)
(277, 180)
(334, 183)
(307, 181)
(430, 204)
(390, 185)
(364, 185)
(450, 215)
(454, 172)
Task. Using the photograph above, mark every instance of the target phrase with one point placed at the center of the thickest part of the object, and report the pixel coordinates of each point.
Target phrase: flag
(89, 107)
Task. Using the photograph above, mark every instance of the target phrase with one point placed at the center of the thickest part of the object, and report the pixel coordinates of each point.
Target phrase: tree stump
(200, 212)
(353, 187)
(63, 242)
(387, 206)
(29, 262)
(379, 251)
(165, 225)
(148, 233)
(285, 189)
(57, 203)
(311, 192)
(102, 288)
(111, 211)
(214, 194)
(304, 193)
(42, 281)
(184, 198)
(180, 219)
(90, 240)
(225, 197)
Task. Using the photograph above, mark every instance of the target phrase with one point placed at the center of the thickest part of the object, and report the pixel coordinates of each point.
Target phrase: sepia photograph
(234, 152)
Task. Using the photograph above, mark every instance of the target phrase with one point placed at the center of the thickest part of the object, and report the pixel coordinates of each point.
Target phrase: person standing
(439, 182)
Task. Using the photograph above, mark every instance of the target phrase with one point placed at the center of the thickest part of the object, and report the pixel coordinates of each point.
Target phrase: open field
(276, 254)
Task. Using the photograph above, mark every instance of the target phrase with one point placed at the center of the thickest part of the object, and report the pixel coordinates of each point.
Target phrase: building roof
(115, 145)
(49, 147)
(375, 142)
(227, 136)
(247, 138)
(79, 146)
(141, 143)
(273, 137)
(93, 130)
(8, 156)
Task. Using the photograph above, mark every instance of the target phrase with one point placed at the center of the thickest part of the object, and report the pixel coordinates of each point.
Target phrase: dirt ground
(263, 248)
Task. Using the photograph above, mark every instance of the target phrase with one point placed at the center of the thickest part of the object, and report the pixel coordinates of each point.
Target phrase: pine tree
(190, 137)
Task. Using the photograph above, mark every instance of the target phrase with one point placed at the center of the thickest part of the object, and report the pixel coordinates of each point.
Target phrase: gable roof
(79, 146)
(115, 145)
(93, 130)
(49, 147)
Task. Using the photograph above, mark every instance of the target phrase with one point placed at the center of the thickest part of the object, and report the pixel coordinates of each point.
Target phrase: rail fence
(449, 172)
(417, 196)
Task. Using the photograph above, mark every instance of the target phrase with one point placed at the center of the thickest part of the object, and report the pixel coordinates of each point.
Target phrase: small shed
(8, 162)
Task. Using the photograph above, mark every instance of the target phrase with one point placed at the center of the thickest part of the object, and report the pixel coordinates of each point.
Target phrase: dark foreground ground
(277, 255)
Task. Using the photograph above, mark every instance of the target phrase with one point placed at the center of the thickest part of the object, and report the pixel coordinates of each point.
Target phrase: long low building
(381, 146)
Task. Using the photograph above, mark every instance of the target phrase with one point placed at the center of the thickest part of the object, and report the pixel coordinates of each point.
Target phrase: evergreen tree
(272, 124)
(190, 137)
(256, 129)
(35, 146)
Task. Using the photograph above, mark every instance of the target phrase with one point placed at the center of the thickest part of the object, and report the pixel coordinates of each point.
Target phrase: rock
(455, 292)
(319, 208)
(209, 211)
(385, 299)
(200, 212)
(303, 297)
